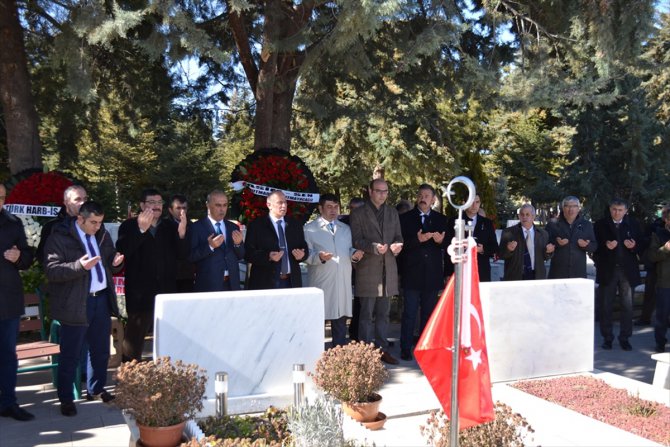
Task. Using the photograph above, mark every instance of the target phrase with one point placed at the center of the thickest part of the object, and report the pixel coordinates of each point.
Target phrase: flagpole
(459, 250)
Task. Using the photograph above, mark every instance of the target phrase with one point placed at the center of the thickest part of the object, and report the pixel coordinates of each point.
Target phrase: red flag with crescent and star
(434, 350)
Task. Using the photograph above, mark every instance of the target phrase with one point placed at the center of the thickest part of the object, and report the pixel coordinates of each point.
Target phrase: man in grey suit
(375, 229)
(525, 247)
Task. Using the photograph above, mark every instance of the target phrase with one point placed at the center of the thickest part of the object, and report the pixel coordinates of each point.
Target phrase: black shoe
(659, 348)
(406, 356)
(105, 396)
(606, 345)
(625, 345)
(68, 409)
(17, 413)
(642, 322)
(388, 358)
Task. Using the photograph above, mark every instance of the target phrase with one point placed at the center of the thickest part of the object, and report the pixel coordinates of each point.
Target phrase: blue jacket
(210, 265)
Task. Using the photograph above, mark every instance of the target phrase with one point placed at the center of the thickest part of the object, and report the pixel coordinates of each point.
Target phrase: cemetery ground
(406, 397)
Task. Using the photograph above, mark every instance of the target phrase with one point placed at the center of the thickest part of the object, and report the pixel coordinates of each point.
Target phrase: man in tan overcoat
(375, 229)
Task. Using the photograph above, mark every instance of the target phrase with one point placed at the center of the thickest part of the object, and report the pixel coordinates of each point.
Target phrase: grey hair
(570, 199)
(526, 205)
(70, 189)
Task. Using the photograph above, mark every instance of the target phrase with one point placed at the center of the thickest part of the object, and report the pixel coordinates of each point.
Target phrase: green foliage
(270, 427)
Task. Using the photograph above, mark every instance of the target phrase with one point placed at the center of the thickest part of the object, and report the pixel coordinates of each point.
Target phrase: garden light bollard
(221, 391)
(298, 384)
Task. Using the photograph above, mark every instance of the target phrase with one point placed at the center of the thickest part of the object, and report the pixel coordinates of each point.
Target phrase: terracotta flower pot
(363, 411)
(161, 436)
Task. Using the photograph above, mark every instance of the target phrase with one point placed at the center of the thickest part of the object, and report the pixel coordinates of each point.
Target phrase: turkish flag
(433, 351)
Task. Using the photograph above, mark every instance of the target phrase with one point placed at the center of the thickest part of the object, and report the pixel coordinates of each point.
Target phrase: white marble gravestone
(538, 328)
(254, 335)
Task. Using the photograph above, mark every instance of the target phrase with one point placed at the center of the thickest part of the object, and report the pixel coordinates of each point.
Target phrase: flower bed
(596, 399)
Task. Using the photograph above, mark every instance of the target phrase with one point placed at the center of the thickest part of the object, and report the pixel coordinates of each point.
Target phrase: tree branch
(244, 49)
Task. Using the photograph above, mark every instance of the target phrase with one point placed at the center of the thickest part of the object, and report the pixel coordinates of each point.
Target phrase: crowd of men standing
(360, 261)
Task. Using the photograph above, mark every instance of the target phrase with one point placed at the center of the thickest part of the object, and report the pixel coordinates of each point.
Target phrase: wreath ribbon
(32, 210)
(263, 190)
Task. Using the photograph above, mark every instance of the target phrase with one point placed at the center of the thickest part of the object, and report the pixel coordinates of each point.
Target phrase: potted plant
(161, 395)
(353, 374)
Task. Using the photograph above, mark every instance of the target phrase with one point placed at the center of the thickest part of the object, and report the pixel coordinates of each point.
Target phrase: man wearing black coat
(152, 245)
(15, 255)
(275, 245)
(485, 236)
(421, 271)
(616, 258)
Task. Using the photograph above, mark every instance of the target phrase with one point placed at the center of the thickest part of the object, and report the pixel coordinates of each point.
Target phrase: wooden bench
(32, 321)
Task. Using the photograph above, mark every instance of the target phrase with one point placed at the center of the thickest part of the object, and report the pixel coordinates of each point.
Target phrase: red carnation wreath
(39, 188)
(275, 168)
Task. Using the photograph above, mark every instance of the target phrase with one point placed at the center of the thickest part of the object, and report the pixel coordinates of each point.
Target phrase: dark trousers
(71, 341)
(184, 285)
(662, 315)
(619, 282)
(649, 301)
(412, 299)
(9, 332)
(338, 329)
(137, 327)
(377, 309)
(283, 283)
(355, 316)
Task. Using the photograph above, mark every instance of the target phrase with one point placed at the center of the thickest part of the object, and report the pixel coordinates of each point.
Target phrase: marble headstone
(254, 335)
(538, 328)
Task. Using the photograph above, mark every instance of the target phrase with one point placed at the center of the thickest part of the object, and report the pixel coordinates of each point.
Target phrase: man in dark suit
(275, 245)
(421, 271)
(15, 255)
(485, 235)
(525, 247)
(216, 247)
(152, 245)
(618, 237)
(185, 269)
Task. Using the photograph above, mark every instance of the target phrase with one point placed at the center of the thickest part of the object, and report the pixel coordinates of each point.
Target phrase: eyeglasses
(381, 191)
(154, 202)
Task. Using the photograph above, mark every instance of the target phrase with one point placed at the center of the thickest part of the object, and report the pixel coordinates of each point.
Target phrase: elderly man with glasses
(151, 245)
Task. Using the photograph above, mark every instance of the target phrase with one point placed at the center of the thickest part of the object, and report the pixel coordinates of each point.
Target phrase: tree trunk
(23, 143)
(274, 81)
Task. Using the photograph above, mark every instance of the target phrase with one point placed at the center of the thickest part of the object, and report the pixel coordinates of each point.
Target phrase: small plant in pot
(161, 395)
(353, 374)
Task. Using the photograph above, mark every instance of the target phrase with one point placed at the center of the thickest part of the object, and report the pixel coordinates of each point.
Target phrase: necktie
(283, 247)
(98, 269)
(424, 223)
(530, 246)
(331, 228)
(218, 231)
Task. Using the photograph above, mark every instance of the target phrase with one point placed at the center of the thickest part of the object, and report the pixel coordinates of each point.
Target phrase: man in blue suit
(216, 248)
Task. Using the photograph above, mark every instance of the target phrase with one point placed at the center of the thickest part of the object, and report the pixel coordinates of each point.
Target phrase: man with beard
(375, 229)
